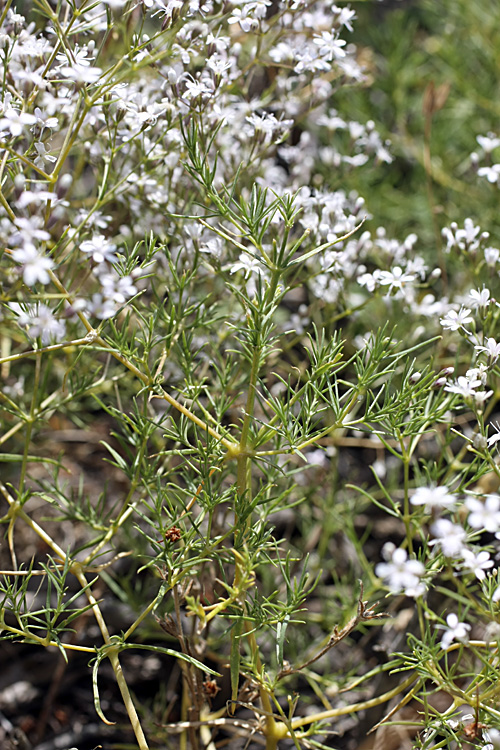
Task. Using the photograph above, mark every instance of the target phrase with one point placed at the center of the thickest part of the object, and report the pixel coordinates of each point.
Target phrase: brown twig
(364, 614)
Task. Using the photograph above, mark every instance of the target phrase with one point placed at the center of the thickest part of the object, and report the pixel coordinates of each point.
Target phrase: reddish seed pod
(173, 534)
(210, 688)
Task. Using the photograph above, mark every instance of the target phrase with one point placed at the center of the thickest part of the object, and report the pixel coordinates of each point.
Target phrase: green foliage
(232, 463)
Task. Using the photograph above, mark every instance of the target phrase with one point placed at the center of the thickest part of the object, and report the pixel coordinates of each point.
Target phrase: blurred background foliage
(410, 48)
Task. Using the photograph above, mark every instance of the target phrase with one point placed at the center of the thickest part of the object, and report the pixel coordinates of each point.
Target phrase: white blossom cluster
(137, 119)
(488, 146)
(130, 128)
(450, 537)
(121, 156)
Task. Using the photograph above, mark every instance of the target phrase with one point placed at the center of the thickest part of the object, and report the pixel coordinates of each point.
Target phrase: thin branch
(364, 614)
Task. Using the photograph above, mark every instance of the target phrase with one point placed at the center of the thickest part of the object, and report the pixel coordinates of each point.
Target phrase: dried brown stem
(364, 614)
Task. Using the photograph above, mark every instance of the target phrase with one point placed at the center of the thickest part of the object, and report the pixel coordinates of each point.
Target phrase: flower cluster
(488, 145)
(180, 205)
(401, 573)
(134, 124)
(480, 514)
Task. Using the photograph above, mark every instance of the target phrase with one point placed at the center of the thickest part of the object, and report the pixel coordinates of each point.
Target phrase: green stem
(243, 474)
(24, 634)
(406, 501)
(353, 707)
(4, 12)
(78, 571)
(94, 337)
(43, 350)
(271, 729)
(247, 420)
(29, 425)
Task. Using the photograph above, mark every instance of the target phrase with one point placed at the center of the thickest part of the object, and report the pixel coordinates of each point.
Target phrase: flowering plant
(176, 264)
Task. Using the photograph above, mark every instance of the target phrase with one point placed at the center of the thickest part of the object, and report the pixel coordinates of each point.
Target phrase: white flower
(43, 155)
(478, 373)
(454, 631)
(218, 65)
(464, 386)
(491, 173)
(488, 142)
(454, 320)
(492, 737)
(260, 7)
(491, 255)
(467, 238)
(99, 248)
(433, 498)
(430, 306)
(40, 322)
(395, 278)
(171, 8)
(370, 280)
(399, 573)
(35, 265)
(417, 265)
(283, 52)
(81, 73)
(480, 397)
(308, 60)
(476, 562)
(79, 55)
(495, 437)
(212, 247)
(34, 197)
(268, 124)
(492, 349)
(344, 16)
(12, 119)
(28, 230)
(101, 307)
(117, 289)
(251, 266)
(329, 46)
(480, 298)
(245, 18)
(480, 442)
(484, 515)
(449, 536)
(195, 88)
